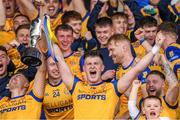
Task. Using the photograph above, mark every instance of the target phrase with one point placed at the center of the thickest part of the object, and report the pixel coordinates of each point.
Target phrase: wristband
(142, 40)
(155, 49)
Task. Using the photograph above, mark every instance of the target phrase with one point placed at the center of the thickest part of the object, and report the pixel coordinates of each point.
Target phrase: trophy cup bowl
(31, 56)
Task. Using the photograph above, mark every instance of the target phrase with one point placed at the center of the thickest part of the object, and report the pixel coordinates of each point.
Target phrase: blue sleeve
(142, 75)
(43, 117)
(11, 67)
(142, 3)
(29, 73)
(75, 45)
(93, 17)
(165, 13)
(84, 44)
(76, 80)
(172, 53)
(35, 97)
(21, 48)
(85, 17)
(135, 8)
(91, 44)
(115, 84)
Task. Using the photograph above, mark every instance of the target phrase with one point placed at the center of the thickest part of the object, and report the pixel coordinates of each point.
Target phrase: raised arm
(133, 110)
(78, 5)
(173, 88)
(26, 7)
(39, 81)
(2, 14)
(139, 34)
(65, 71)
(125, 81)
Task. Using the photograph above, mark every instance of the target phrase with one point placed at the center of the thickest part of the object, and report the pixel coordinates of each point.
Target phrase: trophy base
(31, 57)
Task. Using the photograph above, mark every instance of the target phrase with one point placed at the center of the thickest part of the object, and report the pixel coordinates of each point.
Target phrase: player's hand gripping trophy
(31, 56)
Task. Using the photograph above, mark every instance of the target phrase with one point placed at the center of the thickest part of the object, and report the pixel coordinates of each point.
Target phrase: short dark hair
(93, 53)
(168, 27)
(103, 21)
(2, 48)
(148, 21)
(152, 97)
(156, 72)
(26, 26)
(29, 76)
(64, 27)
(70, 15)
(117, 15)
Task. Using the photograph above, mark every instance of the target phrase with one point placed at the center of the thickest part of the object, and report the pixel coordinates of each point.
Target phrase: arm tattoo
(170, 76)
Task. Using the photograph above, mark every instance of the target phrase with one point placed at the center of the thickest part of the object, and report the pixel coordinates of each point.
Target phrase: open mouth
(93, 74)
(1, 66)
(152, 113)
(152, 90)
(8, 8)
(51, 9)
(25, 44)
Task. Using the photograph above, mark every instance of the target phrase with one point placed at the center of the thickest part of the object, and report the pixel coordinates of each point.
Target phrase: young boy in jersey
(151, 108)
(155, 87)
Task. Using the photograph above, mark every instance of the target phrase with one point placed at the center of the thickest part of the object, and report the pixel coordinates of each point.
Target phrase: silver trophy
(31, 56)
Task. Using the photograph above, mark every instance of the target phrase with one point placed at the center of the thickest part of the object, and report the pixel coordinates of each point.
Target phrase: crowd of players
(109, 59)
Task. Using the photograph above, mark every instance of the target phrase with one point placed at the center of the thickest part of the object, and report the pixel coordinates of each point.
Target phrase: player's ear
(163, 85)
(102, 69)
(8, 60)
(26, 85)
(161, 109)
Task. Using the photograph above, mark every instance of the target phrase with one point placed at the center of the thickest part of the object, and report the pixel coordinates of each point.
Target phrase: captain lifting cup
(31, 55)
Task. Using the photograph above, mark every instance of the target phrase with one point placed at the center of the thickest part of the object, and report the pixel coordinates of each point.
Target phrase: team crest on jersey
(171, 53)
(144, 74)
